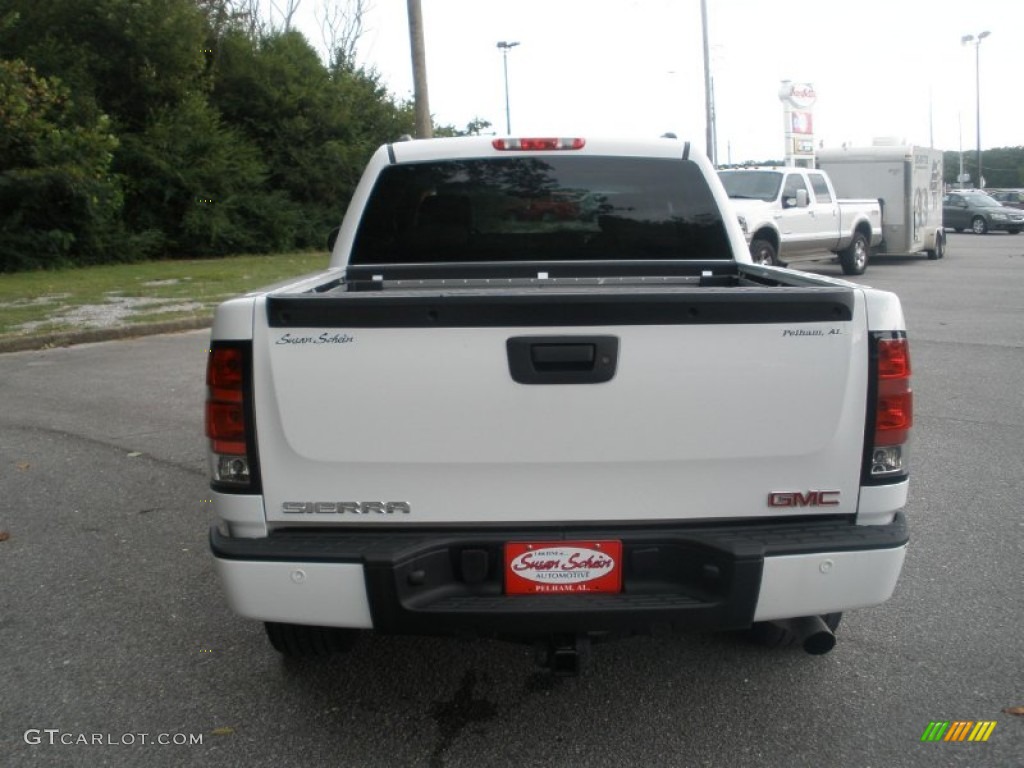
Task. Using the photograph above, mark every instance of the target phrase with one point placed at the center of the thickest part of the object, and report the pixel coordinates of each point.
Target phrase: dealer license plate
(560, 567)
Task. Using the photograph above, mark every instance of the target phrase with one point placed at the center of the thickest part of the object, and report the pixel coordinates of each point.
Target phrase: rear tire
(298, 641)
(854, 259)
(940, 248)
(764, 253)
(773, 636)
(979, 226)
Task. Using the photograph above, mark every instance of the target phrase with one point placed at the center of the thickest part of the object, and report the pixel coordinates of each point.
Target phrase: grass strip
(38, 303)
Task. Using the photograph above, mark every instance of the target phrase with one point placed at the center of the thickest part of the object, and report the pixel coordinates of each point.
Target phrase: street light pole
(504, 46)
(976, 42)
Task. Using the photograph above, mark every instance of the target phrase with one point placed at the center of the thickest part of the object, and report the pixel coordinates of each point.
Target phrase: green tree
(126, 57)
(142, 62)
(475, 127)
(315, 127)
(1001, 166)
(59, 202)
(220, 137)
(202, 184)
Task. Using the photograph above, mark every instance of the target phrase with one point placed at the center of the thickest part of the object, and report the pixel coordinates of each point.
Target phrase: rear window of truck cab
(555, 208)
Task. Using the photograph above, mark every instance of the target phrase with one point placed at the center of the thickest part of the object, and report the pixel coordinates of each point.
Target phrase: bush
(60, 203)
(202, 184)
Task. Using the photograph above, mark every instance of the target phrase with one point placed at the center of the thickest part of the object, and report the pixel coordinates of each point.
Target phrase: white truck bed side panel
(233, 320)
(884, 311)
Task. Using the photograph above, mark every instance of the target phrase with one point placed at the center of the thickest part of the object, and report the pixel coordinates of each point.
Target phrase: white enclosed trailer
(908, 182)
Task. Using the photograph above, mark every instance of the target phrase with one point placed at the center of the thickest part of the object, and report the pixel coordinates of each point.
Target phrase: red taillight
(225, 416)
(893, 359)
(224, 373)
(894, 408)
(225, 426)
(537, 144)
(894, 418)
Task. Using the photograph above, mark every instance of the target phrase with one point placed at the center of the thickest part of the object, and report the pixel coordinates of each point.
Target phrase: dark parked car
(979, 213)
(1014, 198)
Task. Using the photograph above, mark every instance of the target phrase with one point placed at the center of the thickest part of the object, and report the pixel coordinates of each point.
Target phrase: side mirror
(802, 199)
(332, 238)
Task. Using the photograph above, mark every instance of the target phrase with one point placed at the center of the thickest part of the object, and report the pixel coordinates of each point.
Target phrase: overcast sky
(892, 68)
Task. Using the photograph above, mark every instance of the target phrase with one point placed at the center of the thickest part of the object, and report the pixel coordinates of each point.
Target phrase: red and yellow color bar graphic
(958, 730)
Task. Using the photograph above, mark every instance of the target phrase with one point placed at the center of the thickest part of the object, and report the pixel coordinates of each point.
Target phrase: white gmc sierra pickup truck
(548, 426)
(792, 214)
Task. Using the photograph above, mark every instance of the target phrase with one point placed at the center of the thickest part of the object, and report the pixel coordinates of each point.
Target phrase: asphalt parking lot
(114, 630)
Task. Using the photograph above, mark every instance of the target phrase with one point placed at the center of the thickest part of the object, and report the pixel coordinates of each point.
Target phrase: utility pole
(931, 122)
(709, 106)
(960, 125)
(714, 126)
(424, 128)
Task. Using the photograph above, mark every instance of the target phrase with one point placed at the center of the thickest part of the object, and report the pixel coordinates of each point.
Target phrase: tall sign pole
(797, 111)
(421, 107)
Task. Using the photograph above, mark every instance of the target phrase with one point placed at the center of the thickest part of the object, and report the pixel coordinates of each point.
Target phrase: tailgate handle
(562, 356)
(562, 359)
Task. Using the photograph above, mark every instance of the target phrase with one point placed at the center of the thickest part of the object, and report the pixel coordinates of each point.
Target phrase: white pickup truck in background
(792, 214)
(541, 427)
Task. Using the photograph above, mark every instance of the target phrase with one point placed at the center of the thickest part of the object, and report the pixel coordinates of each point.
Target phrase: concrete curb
(88, 336)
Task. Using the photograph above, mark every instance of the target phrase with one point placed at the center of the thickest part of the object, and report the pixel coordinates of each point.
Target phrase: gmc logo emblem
(803, 499)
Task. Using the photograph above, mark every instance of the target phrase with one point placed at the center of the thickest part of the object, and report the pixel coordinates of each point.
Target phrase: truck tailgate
(403, 409)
